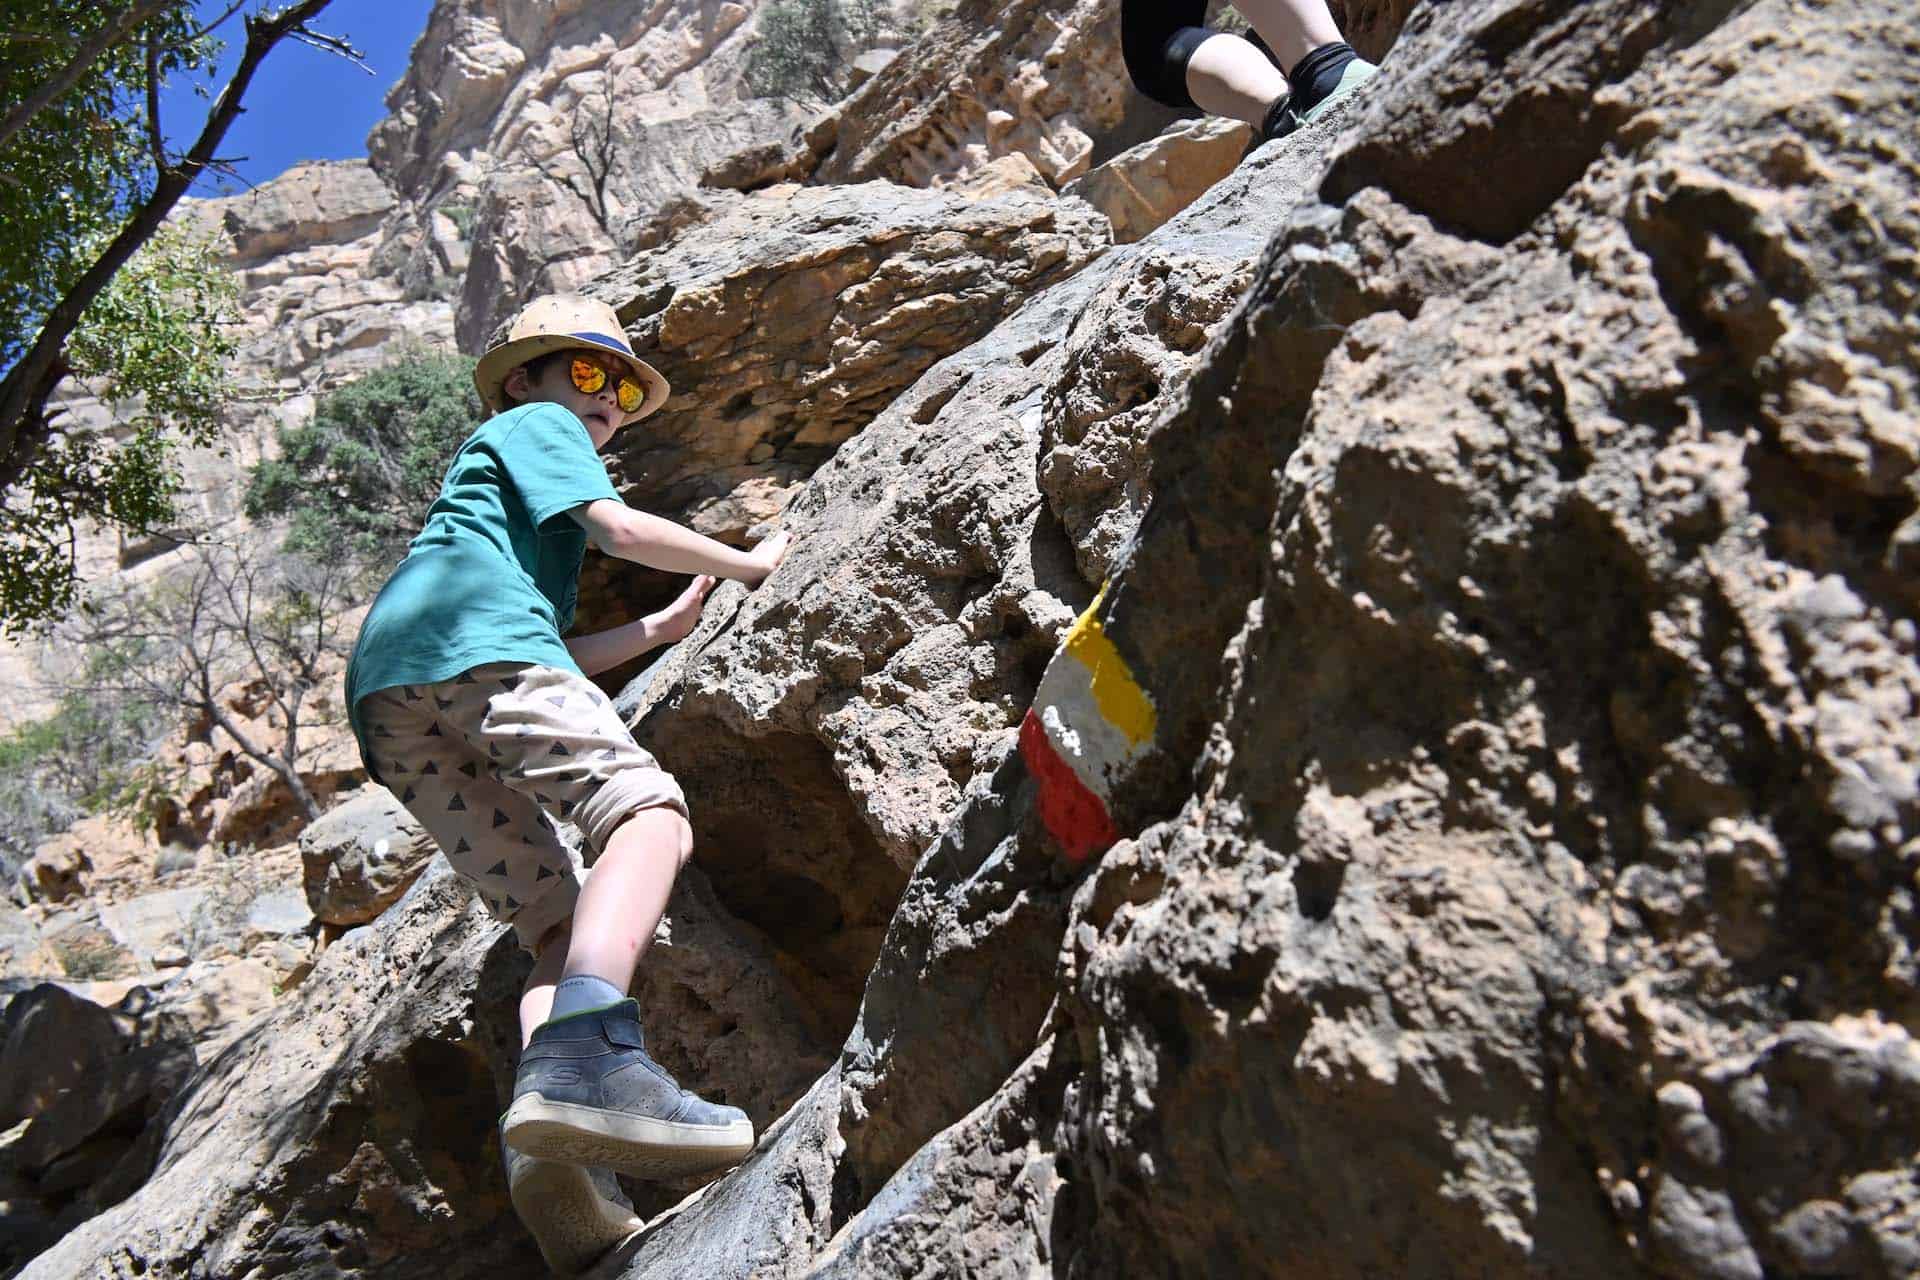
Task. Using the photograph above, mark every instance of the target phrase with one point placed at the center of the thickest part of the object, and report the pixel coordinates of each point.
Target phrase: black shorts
(1158, 39)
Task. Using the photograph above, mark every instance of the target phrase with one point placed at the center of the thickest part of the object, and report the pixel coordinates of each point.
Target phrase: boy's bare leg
(625, 896)
(536, 999)
(577, 1097)
(1292, 28)
(1228, 76)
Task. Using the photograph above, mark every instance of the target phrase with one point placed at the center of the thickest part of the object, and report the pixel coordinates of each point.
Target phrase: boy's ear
(516, 384)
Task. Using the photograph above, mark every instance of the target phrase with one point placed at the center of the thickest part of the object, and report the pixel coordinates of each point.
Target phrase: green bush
(154, 348)
(86, 757)
(360, 476)
(806, 46)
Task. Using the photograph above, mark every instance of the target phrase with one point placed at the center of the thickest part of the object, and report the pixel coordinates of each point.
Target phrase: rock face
(790, 319)
(349, 1128)
(86, 1081)
(1506, 887)
(361, 856)
(558, 128)
(1040, 79)
(1145, 185)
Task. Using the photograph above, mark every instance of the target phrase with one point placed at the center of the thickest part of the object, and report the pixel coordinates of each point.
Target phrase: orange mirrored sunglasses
(591, 376)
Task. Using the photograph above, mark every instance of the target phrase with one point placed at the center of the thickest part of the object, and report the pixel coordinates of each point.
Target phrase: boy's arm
(619, 530)
(605, 650)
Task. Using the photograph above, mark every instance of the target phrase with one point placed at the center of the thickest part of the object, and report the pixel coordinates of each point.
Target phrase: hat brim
(490, 374)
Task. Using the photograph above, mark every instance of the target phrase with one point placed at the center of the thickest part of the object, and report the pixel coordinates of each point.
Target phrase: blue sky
(303, 104)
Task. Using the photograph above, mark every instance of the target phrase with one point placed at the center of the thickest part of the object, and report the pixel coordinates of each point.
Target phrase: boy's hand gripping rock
(768, 554)
(677, 621)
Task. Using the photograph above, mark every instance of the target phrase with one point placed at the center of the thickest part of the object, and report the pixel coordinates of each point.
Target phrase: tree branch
(155, 140)
(231, 10)
(69, 75)
(24, 393)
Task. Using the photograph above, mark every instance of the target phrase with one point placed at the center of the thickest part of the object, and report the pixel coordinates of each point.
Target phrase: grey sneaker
(1357, 73)
(588, 1094)
(576, 1215)
(1284, 117)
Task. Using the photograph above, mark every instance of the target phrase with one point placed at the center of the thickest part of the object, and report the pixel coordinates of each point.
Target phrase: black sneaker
(588, 1094)
(576, 1215)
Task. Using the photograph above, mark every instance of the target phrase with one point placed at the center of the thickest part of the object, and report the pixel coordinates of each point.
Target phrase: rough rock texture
(789, 319)
(1145, 185)
(79, 1086)
(557, 128)
(1507, 889)
(1040, 79)
(351, 1129)
(360, 857)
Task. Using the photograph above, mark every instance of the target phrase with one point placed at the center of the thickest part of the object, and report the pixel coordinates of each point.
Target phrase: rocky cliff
(1367, 731)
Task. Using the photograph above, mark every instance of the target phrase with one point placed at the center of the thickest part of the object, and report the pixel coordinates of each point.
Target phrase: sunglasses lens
(588, 377)
(630, 395)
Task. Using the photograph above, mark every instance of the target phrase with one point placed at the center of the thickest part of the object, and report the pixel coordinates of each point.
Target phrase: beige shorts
(491, 760)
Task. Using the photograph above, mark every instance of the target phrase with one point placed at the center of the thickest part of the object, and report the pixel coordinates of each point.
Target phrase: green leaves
(806, 46)
(154, 348)
(79, 167)
(153, 344)
(362, 474)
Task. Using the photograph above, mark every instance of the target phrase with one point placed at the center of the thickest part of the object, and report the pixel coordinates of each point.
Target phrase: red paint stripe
(1073, 815)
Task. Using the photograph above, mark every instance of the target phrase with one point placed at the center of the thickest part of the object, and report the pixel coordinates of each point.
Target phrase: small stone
(1817, 1238)
(1853, 846)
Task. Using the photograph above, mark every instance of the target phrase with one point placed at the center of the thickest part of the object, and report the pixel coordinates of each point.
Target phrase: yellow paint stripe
(1122, 702)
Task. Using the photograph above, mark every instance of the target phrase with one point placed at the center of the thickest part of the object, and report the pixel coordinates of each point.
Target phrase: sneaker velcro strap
(623, 1033)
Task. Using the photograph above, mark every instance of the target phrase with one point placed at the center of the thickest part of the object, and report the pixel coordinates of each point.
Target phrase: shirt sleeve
(551, 460)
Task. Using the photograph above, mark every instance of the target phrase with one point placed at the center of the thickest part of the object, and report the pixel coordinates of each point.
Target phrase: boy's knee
(666, 827)
(683, 838)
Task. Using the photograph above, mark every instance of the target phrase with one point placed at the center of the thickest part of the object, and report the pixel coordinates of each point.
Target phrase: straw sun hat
(563, 322)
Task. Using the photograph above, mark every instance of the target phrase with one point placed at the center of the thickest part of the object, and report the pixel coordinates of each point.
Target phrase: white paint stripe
(1095, 750)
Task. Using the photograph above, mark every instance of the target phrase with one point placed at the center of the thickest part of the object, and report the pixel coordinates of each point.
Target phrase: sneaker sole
(637, 1145)
(571, 1223)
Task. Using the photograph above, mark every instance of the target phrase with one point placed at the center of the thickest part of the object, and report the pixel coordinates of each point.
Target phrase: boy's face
(599, 411)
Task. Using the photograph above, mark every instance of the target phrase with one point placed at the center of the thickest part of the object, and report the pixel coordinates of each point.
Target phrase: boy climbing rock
(1177, 61)
(469, 704)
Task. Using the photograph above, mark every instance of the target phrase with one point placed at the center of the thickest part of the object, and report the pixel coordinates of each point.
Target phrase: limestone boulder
(56, 872)
(1507, 883)
(216, 1000)
(353, 1120)
(77, 943)
(361, 856)
(352, 1128)
(147, 923)
(80, 1088)
(1147, 184)
(788, 320)
(1042, 79)
(323, 202)
(53, 1041)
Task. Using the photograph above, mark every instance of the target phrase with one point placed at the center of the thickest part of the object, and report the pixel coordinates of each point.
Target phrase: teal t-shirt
(494, 574)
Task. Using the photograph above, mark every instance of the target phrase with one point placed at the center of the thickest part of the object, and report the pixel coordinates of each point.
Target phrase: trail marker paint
(1090, 722)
